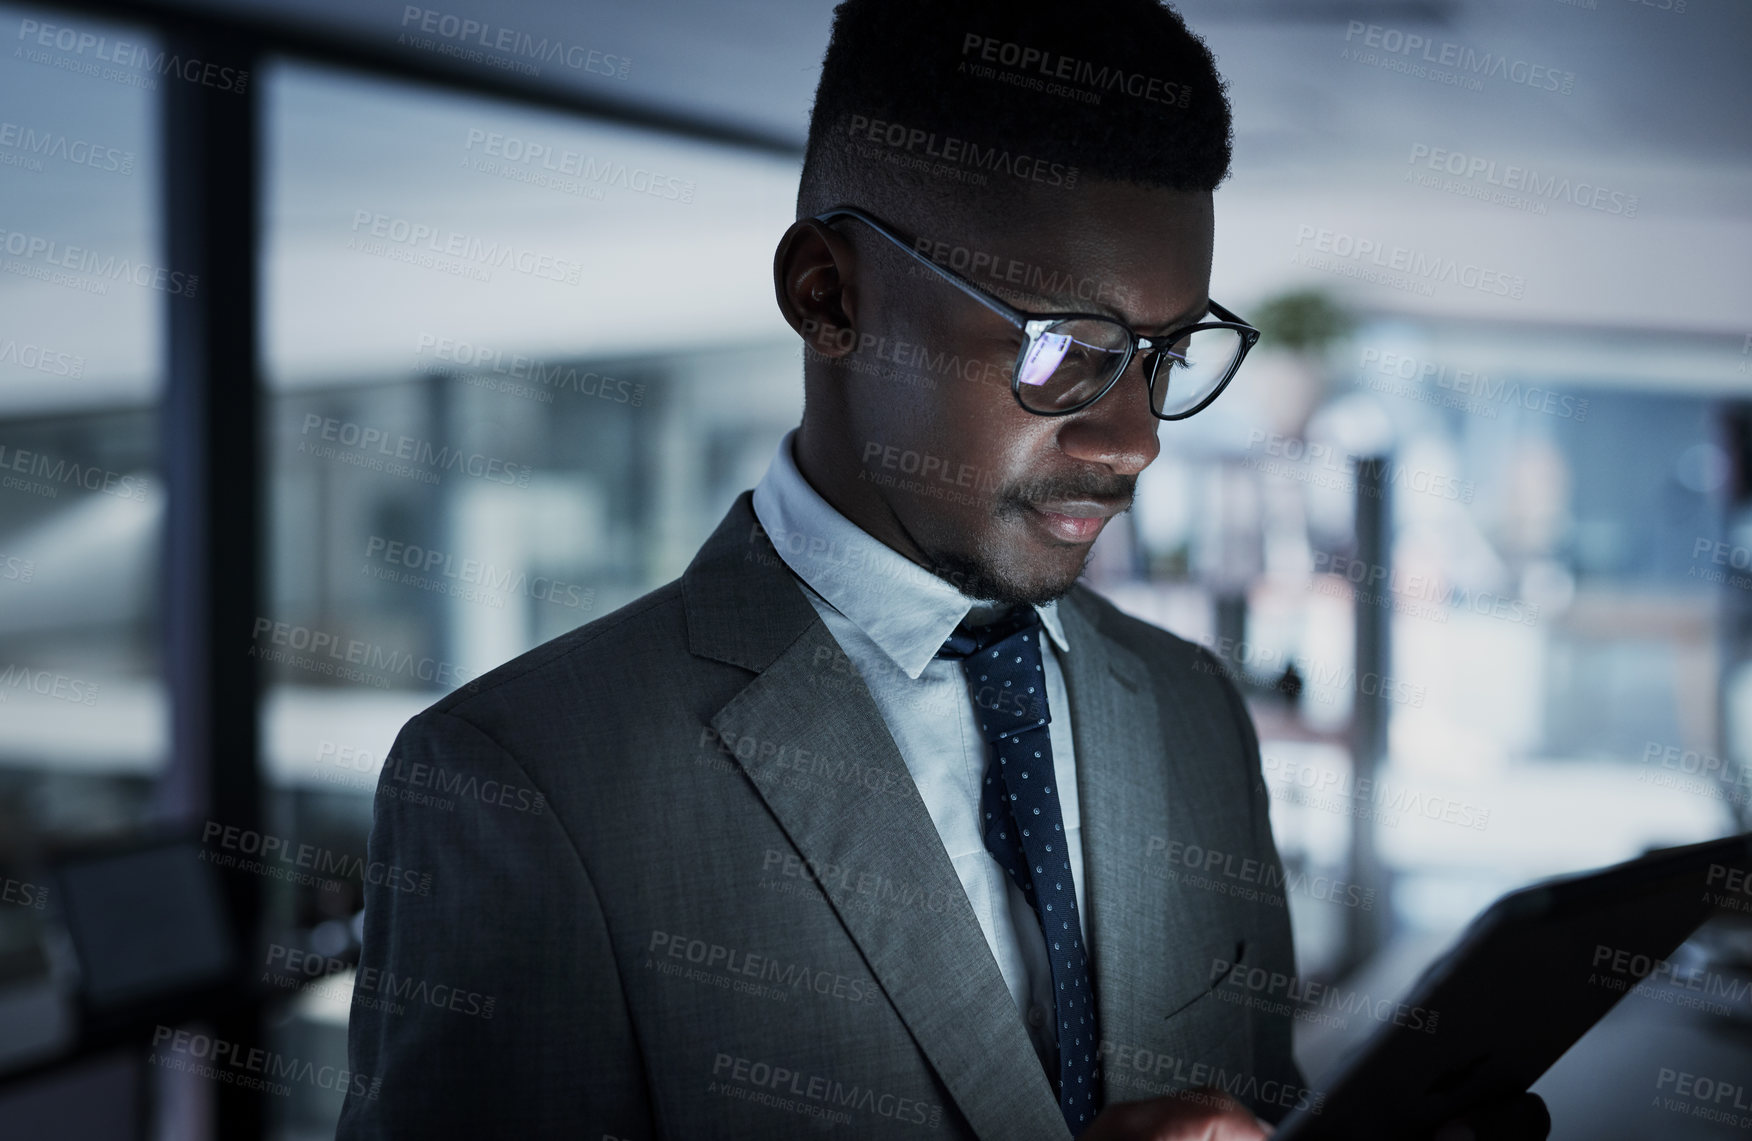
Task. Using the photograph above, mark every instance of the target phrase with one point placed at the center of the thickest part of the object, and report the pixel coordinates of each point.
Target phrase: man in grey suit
(776, 849)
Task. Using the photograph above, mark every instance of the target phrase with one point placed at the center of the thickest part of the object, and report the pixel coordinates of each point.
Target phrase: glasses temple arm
(1007, 312)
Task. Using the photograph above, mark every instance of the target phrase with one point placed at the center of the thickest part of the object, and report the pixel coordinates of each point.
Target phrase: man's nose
(1119, 430)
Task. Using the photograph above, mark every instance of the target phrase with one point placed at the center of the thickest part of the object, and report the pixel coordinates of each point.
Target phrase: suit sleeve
(1273, 1058)
(487, 1001)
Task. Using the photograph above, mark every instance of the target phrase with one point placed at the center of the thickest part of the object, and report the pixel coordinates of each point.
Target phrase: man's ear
(814, 270)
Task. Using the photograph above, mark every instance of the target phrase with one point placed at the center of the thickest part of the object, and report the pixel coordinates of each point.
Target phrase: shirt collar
(905, 609)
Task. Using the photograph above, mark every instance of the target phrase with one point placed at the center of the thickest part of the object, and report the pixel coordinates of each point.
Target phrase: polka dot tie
(1024, 830)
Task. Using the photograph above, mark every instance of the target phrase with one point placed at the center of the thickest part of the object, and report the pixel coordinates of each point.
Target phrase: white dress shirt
(890, 617)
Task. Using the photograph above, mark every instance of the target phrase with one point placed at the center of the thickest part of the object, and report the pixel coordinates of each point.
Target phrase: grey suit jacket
(682, 885)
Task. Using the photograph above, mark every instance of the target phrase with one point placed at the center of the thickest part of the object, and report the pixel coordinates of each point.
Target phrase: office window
(82, 293)
(518, 366)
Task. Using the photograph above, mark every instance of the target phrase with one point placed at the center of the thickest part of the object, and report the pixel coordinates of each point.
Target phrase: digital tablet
(1527, 979)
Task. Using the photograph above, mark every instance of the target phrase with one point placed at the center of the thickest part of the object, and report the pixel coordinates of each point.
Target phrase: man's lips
(1077, 520)
(1082, 508)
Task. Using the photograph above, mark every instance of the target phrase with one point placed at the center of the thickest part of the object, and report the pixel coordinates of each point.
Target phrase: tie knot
(967, 640)
(1003, 665)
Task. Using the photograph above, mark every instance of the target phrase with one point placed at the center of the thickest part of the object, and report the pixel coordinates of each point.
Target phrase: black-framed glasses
(1068, 361)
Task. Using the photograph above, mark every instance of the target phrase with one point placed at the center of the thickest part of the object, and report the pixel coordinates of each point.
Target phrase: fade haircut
(949, 105)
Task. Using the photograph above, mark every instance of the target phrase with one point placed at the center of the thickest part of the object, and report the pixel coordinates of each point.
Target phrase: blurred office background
(1473, 527)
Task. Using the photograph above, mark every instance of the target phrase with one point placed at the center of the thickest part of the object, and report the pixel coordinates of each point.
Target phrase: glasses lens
(1070, 363)
(1193, 367)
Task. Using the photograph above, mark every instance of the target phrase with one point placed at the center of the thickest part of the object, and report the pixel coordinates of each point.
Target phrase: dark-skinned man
(858, 826)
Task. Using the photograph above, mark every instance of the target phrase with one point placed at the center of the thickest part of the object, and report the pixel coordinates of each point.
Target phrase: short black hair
(964, 100)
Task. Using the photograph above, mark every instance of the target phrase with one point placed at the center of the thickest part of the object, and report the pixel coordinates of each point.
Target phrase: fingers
(1192, 1115)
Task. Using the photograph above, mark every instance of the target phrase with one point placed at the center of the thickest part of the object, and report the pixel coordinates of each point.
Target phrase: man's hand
(1209, 1115)
(1192, 1115)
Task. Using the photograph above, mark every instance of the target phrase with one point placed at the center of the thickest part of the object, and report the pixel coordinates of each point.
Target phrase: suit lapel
(1154, 937)
(853, 807)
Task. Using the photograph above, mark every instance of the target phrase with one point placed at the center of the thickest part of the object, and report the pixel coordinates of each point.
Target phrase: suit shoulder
(636, 634)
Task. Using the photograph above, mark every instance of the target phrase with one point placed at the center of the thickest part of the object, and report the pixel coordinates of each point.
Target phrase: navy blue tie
(1024, 830)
